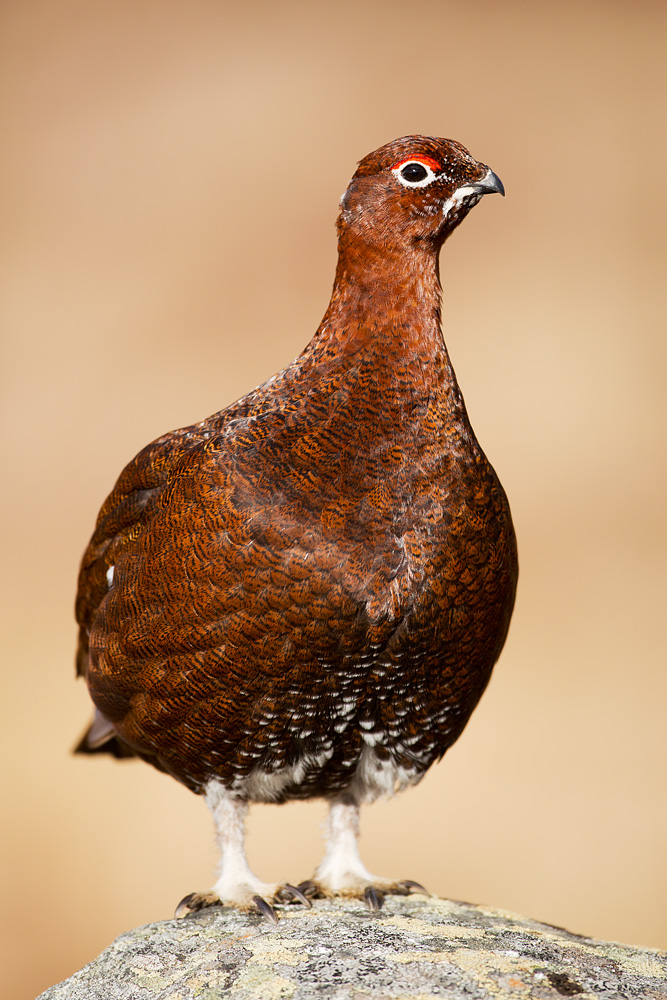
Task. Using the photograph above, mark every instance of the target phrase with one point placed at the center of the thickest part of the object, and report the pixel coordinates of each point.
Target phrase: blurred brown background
(170, 174)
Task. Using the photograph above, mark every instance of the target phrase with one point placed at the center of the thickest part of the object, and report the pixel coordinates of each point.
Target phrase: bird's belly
(372, 777)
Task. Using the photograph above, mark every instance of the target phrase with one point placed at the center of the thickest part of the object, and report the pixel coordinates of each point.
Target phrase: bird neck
(386, 305)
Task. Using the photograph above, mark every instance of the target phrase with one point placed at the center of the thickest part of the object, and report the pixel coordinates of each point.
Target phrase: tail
(101, 737)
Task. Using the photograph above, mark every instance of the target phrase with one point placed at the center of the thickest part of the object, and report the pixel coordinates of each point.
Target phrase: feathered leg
(341, 871)
(237, 885)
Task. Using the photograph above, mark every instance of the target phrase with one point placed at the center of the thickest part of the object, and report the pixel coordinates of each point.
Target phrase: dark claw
(296, 894)
(372, 898)
(265, 909)
(195, 901)
(411, 886)
(184, 905)
(310, 888)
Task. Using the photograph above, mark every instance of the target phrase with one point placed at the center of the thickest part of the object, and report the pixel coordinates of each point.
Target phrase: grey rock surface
(416, 947)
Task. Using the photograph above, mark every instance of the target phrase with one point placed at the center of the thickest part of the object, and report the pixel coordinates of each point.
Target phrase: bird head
(414, 191)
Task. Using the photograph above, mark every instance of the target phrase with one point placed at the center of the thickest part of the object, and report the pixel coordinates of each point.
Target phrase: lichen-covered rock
(415, 947)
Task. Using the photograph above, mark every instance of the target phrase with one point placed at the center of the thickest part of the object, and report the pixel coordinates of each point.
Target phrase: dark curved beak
(489, 184)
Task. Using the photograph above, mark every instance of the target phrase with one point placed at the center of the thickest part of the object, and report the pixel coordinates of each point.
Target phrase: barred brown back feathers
(304, 595)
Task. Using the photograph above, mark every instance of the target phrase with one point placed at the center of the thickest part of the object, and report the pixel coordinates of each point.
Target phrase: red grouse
(304, 595)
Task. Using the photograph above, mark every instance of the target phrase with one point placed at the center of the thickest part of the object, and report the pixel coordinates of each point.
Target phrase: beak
(489, 184)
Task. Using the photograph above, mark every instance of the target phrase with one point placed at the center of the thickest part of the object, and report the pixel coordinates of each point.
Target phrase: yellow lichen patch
(211, 979)
(515, 977)
(442, 905)
(489, 911)
(414, 996)
(422, 956)
(471, 960)
(268, 952)
(151, 981)
(643, 965)
(261, 983)
(442, 930)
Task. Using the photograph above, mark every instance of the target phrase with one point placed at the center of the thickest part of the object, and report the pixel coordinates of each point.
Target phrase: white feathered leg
(342, 872)
(237, 885)
(341, 868)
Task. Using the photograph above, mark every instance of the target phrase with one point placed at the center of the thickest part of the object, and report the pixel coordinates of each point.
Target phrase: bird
(303, 595)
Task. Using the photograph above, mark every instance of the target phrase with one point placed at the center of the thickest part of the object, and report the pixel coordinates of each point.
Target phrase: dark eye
(414, 172)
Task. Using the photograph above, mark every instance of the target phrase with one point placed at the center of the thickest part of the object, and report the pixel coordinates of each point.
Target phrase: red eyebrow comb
(426, 160)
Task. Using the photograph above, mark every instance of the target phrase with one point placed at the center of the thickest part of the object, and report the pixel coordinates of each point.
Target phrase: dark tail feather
(101, 737)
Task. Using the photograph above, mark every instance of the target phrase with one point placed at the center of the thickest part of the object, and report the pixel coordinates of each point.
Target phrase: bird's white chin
(465, 196)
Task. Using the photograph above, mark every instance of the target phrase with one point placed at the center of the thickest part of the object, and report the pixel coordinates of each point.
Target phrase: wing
(225, 591)
(121, 518)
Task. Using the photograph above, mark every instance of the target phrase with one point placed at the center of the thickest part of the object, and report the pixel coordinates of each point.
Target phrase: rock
(415, 947)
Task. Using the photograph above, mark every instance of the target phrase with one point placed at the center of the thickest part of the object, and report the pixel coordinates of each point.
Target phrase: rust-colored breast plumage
(327, 565)
(281, 572)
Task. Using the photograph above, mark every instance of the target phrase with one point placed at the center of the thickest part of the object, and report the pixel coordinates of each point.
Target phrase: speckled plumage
(314, 584)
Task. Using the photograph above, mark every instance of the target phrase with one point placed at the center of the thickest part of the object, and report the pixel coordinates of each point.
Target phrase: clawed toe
(372, 898)
(407, 886)
(373, 895)
(292, 894)
(287, 893)
(195, 901)
(265, 909)
(311, 889)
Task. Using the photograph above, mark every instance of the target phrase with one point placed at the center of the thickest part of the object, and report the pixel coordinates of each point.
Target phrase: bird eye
(412, 172)
(415, 173)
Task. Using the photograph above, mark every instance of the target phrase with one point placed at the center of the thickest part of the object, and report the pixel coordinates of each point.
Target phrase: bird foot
(288, 893)
(250, 903)
(371, 893)
(195, 901)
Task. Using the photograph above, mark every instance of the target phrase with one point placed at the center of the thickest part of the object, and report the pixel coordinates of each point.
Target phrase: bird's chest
(430, 526)
(390, 489)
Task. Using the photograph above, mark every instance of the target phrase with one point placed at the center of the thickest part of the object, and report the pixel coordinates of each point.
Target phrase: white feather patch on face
(110, 576)
(467, 192)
